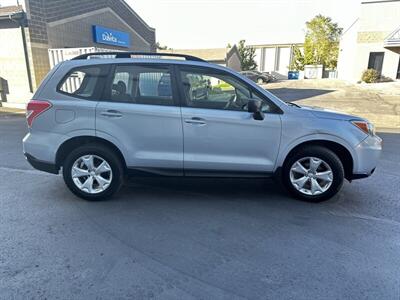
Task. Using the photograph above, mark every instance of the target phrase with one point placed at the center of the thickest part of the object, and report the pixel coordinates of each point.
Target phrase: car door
(140, 114)
(220, 135)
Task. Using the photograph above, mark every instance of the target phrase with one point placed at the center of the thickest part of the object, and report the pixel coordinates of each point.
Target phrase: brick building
(29, 30)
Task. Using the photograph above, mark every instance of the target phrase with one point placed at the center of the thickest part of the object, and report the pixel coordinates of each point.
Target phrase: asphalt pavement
(171, 238)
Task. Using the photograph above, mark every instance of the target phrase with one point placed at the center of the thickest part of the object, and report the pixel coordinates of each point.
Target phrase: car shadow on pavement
(224, 188)
(291, 94)
(204, 190)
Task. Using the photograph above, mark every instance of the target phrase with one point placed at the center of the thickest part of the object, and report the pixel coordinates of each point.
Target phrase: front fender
(285, 149)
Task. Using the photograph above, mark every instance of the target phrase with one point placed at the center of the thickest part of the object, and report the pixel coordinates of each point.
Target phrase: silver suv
(129, 113)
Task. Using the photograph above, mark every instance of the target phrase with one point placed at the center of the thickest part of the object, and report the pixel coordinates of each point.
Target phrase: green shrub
(370, 76)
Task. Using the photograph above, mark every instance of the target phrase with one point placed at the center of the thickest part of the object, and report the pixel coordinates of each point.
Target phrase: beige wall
(12, 65)
(39, 59)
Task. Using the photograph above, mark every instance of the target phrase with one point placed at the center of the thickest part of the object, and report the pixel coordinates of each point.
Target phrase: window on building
(82, 82)
(142, 85)
(398, 70)
(376, 61)
(217, 91)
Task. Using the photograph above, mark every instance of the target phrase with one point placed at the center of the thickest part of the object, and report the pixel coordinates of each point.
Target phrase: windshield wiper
(293, 104)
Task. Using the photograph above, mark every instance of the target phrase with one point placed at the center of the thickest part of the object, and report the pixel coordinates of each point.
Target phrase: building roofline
(137, 16)
(7, 12)
(378, 1)
(276, 45)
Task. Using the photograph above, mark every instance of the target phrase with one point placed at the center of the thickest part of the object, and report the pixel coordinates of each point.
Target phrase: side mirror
(254, 106)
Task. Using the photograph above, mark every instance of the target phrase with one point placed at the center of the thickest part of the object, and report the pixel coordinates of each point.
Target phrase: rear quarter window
(84, 82)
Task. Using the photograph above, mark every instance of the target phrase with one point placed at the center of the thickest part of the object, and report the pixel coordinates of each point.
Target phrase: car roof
(100, 61)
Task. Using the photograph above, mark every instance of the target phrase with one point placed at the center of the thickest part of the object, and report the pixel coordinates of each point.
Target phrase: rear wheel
(313, 174)
(93, 172)
(260, 81)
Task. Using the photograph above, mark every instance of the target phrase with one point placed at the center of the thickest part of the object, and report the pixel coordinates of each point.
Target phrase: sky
(215, 23)
(182, 24)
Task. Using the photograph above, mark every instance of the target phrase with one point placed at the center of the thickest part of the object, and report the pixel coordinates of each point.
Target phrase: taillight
(34, 109)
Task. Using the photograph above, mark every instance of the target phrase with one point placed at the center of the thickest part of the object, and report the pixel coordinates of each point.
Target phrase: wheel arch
(74, 142)
(339, 149)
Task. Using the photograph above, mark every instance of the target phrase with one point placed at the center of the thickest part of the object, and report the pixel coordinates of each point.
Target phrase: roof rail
(129, 54)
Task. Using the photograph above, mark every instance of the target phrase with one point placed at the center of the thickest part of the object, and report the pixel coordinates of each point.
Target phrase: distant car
(257, 76)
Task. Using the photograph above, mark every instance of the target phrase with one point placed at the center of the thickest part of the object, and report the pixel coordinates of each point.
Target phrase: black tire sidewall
(326, 155)
(103, 152)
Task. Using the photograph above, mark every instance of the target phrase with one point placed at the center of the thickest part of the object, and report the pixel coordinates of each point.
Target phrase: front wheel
(260, 81)
(313, 174)
(93, 172)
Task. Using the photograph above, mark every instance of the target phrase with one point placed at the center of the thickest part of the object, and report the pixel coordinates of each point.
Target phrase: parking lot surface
(174, 238)
(379, 103)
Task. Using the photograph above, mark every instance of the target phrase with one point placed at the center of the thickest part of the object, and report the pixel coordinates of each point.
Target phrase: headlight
(366, 127)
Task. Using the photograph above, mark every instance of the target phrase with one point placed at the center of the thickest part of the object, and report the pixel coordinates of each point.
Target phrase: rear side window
(141, 85)
(84, 82)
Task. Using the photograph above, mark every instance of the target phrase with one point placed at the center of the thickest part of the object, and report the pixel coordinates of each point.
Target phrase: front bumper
(368, 153)
(360, 176)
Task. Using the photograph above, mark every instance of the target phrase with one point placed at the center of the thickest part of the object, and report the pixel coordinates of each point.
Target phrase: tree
(297, 62)
(247, 55)
(321, 44)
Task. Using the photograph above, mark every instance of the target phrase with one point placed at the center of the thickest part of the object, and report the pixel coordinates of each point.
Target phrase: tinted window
(217, 91)
(82, 82)
(142, 85)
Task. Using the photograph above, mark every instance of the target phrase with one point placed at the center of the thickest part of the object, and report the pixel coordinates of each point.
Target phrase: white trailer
(58, 55)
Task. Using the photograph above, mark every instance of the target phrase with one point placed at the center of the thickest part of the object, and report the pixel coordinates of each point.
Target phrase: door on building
(376, 61)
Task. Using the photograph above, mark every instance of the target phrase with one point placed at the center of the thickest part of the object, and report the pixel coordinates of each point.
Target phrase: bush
(370, 76)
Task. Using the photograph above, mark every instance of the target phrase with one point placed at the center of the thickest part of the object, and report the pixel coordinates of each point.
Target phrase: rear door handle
(196, 121)
(111, 113)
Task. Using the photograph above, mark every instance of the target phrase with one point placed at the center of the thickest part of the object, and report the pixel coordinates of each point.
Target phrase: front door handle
(111, 113)
(196, 121)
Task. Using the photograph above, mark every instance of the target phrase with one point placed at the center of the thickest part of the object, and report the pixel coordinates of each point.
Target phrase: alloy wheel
(311, 176)
(91, 174)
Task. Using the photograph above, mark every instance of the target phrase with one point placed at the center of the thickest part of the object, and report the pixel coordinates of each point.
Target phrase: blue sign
(103, 35)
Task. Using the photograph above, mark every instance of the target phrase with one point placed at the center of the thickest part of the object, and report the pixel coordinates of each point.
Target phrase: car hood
(325, 113)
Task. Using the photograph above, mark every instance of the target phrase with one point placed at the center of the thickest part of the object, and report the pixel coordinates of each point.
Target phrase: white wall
(12, 65)
(269, 59)
(348, 53)
(377, 20)
(284, 60)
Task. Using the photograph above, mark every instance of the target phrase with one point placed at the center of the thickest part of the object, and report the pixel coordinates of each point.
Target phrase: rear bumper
(41, 165)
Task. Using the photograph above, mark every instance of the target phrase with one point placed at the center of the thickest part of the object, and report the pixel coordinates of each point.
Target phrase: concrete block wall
(41, 12)
(68, 33)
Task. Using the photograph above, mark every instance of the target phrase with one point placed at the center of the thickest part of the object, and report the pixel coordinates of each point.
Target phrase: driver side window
(215, 91)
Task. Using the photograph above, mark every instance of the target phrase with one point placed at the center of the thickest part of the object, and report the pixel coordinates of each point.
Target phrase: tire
(309, 186)
(260, 81)
(111, 176)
